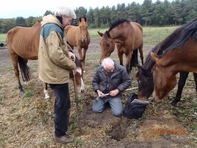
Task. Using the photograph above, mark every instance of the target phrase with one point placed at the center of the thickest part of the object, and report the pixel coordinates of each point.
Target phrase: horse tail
(25, 73)
(134, 59)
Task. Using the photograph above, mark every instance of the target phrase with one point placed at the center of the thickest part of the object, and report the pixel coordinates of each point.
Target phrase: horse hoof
(47, 98)
(21, 92)
(173, 103)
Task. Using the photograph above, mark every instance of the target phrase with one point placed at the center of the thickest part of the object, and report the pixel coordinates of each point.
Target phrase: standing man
(111, 78)
(54, 66)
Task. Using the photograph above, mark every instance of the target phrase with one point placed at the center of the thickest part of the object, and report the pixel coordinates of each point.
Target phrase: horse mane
(185, 31)
(105, 35)
(170, 42)
(77, 61)
(117, 23)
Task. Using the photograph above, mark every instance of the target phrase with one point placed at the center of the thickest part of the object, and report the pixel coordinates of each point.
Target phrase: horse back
(71, 33)
(138, 33)
(24, 41)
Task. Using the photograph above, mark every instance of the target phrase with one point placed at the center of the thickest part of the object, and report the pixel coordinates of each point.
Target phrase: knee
(97, 110)
(117, 113)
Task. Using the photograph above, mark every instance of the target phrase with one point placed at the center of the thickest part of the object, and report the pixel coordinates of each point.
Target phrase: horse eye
(108, 45)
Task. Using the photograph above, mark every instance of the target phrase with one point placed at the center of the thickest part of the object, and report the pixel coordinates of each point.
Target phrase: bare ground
(27, 120)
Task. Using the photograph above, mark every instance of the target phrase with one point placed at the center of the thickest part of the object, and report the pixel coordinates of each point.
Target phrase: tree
(113, 14)
(146, 12)
(48, 12)
(177, 12)
(30, 21)
(121, 11)
(133, 11)
(7, 24)
(20, 21)
(97, 18)
(90, 17)
(158, 16)
(80, 12)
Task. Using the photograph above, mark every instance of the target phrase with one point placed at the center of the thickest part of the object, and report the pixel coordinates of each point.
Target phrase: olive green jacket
(54, 65)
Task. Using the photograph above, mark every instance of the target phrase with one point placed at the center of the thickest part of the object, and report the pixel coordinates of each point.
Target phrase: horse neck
(121, 34)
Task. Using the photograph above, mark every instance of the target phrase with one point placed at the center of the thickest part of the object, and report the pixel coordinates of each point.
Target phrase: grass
(2, 37)
(152, 35)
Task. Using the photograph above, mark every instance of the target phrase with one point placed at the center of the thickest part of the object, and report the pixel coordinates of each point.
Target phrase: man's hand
(114, 92)
(71, 56)
(100, 93)
(74, 71)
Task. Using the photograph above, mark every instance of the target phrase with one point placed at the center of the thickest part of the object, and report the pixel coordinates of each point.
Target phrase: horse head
(107, 45)
(145, 83)
(78, 76)
(83, 25)
(164, 80)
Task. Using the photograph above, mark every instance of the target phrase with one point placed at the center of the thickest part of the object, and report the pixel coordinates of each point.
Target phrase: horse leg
(141, 53)
(195, 80)
(14, 58)
(81, 56)
(134, 59)
(128, 59)
(120, 55)
(46, 94)
(84, 57)
(181, 83)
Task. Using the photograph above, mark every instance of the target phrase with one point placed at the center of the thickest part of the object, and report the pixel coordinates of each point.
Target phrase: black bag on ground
(134, 108)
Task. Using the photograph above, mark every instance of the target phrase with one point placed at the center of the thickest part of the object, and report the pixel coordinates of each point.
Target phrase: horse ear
(154, 57)
(100, 33)
(80, 19)
(107, 33)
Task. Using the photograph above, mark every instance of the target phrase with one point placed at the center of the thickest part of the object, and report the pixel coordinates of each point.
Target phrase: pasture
(153, 35)
(27, 120)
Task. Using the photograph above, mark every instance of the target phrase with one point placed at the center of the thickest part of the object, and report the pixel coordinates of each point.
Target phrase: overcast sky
(25, 8)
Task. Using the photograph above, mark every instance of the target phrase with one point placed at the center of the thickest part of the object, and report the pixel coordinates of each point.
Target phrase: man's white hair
(68, 12)
(107, 60)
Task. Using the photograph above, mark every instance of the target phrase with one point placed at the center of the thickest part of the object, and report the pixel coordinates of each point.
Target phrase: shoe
(63, 139)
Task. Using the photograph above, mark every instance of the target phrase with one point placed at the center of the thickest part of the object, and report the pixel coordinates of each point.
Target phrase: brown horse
(179, 56)
(128, 36)
(145, 78)
(22, 43)
(78, 36)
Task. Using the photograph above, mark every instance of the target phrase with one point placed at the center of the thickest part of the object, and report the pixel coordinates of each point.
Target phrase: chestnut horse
(128, 36)
(22, 44)
(177, 53)
(78, 36)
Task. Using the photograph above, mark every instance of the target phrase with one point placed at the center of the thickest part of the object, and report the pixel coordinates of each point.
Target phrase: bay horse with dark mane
(22, 44)
(78, 36)
(128, 37)
(176, 53)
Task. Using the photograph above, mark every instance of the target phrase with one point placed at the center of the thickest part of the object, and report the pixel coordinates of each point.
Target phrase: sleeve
(126, 80)
(56, 53)
(95, 81)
